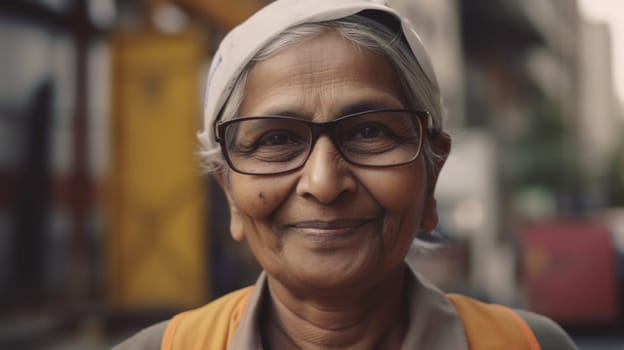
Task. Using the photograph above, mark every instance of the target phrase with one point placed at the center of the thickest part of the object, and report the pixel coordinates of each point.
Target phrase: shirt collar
(434, 322)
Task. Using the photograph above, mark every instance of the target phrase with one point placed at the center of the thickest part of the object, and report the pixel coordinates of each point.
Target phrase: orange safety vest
(487, 326)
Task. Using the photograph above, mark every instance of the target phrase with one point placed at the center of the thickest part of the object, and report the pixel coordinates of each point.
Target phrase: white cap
(244, 41)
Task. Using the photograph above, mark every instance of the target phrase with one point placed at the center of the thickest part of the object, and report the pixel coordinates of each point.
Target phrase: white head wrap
(244, 41)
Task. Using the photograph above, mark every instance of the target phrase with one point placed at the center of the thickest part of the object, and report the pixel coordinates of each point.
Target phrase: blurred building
(599, 125)
(51, 230)
(437, 22)
(521, 87)
(100, 217)
(515, 154)
(45, 141)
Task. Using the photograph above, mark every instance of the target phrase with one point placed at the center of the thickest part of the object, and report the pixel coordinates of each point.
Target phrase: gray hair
(367, 34)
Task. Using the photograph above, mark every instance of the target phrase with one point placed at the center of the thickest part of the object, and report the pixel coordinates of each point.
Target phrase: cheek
(402, 194)
(398, 190)
(259, 197)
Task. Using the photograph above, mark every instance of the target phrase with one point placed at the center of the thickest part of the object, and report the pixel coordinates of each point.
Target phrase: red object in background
(569, 272)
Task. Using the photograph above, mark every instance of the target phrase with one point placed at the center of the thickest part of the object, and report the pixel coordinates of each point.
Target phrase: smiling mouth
(328, 231)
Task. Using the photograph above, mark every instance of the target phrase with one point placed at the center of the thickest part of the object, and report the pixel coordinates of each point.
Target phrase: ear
(237, 227)
(441, 146)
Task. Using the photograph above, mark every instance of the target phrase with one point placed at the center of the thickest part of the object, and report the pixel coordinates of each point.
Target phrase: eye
(276, 138)
(369, 131)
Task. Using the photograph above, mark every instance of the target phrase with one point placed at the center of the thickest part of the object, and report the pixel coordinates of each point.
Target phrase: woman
(323, 127)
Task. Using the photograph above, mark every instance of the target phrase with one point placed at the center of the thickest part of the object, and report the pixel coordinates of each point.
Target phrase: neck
(365, 319)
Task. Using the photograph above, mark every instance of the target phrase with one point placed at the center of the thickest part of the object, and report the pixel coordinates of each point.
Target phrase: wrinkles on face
(330, 223)
(309, 82)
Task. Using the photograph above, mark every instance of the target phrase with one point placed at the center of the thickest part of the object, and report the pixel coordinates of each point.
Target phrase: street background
(107, 225)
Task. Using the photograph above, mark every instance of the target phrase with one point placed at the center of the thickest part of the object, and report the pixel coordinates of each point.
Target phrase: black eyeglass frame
(317, 129)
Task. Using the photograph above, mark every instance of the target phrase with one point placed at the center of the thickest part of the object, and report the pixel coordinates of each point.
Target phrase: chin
(333, 275)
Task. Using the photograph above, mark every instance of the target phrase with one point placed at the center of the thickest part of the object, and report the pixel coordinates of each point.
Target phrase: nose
(326, 175)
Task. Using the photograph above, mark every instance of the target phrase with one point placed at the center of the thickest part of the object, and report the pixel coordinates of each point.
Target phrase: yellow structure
(156, 197)
(226, 14)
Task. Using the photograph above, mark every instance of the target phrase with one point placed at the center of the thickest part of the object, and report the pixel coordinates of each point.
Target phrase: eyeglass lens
(269, 145)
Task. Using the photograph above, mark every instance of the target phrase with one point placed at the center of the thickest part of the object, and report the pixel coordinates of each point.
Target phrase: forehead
(321, 75)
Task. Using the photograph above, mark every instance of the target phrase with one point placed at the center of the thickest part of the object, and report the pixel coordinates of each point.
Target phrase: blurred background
(107, 225)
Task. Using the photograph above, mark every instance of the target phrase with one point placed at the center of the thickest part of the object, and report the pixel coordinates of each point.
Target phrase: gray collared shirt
(434, 322)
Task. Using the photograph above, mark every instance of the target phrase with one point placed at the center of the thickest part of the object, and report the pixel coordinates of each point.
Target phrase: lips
(329, 225)
(322, 231)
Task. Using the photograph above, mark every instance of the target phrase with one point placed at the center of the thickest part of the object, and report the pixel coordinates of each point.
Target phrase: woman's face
(329, 224)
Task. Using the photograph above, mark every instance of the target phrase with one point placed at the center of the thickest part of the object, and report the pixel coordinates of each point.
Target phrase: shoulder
(149, 338)
(480, 318)
(217, 317)
(210, 326)
(228, 305)
(548, 333)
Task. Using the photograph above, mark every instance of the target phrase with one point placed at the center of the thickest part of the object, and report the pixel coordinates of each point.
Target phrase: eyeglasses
(268, 145)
